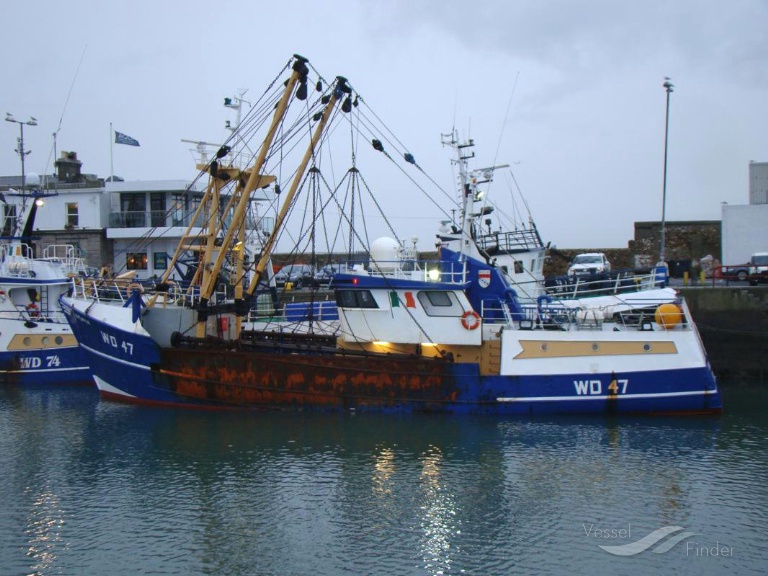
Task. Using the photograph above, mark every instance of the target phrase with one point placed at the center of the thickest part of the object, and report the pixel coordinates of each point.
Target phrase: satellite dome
(32, 179)
(385, 252)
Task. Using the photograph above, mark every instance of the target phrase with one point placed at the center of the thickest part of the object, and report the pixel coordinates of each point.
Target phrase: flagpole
(111, 154)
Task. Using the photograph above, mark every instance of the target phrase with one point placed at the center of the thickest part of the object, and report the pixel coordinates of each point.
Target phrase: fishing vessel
(37, 345)
(459, 333)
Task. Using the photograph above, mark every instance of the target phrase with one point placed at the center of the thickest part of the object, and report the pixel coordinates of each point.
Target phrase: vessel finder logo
(661, 540)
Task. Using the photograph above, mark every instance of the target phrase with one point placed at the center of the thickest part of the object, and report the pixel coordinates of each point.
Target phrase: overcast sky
(568, 93)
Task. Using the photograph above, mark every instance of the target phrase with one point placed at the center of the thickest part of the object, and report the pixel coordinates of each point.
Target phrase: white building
(146, 220)
(745, 227)
(758, 183)
(134, 226)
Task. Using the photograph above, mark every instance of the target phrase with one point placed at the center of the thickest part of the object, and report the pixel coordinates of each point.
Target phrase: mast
(338, 92)
(255, 180)
(467, 197)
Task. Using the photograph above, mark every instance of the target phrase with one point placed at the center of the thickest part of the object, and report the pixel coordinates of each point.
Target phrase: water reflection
(44, 531)
(95, 486)
(439, 524)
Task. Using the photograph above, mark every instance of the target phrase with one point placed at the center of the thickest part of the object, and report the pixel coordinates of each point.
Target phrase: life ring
(470, 320)
(33, 310)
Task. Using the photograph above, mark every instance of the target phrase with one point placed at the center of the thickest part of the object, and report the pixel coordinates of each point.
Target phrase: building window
(157, 208)
(133, 208)
(136, 261)
(73, 218)
(179, 208)
(160, 260)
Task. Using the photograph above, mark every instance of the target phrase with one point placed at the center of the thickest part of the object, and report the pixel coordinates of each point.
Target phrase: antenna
(235, 103)
(201, 148)
(66, 103)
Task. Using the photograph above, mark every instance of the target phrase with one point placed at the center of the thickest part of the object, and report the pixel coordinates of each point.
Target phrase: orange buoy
(668, 316)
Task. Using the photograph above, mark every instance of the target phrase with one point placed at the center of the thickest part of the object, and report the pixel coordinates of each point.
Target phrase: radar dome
(385, 252)
(32, 179)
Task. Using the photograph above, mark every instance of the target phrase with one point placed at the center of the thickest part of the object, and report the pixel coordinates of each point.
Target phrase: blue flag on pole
(121, 138)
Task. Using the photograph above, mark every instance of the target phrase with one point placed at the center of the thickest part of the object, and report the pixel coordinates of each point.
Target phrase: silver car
(589, 263)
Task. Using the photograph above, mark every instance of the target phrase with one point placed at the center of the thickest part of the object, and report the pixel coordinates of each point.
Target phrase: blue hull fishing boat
(470, 331)
(37, 345)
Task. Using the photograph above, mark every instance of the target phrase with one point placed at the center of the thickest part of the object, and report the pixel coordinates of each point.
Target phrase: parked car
(737, 272)
(299, 275)
(589, 263)
(324, 275)
(758, 268)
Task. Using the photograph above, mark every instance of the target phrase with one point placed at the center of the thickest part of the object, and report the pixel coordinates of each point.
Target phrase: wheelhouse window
(136, 261)
(439, 303)
(355, 299)
(10, 219)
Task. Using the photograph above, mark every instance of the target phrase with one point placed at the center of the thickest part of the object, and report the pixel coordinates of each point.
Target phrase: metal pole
(662, 251)
(111, 156)
(22, 154)
(31, 122)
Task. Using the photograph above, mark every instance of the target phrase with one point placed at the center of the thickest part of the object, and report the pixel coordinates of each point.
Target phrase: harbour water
(90, 487)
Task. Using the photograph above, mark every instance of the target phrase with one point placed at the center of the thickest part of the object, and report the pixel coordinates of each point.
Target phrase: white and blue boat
(472, 331)
(37, 345)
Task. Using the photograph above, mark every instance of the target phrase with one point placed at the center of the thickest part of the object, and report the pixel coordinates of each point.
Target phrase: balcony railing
(152, 219)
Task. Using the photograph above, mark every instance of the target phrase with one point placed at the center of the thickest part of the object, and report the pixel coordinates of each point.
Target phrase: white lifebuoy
(470, 320)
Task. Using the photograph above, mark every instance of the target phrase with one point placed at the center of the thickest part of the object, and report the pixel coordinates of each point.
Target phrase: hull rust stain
(252, 379)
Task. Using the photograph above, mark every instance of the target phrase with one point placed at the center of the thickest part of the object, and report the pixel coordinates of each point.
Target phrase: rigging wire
(64, 110)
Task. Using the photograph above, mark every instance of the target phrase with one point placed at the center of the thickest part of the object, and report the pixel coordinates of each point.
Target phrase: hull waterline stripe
(113, 359)
(606, 397)
(45, 370)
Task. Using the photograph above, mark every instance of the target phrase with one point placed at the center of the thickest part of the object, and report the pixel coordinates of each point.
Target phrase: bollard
(685, 278)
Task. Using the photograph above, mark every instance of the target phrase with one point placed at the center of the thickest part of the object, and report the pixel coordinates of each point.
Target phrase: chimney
(68, 168)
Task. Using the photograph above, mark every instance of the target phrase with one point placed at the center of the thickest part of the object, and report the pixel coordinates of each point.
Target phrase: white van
(758, 268)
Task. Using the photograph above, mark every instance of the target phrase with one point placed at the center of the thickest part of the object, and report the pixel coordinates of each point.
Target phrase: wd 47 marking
(595, 387)
(110, 340)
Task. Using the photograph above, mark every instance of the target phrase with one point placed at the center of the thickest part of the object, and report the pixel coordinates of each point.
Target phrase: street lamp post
(662, 251)
(31, 122)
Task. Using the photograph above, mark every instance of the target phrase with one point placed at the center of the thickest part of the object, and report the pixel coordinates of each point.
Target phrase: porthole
(544, 347)
(27, 341)
(46, 341)
(647, 347)
(59, 340)
(595, 347)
